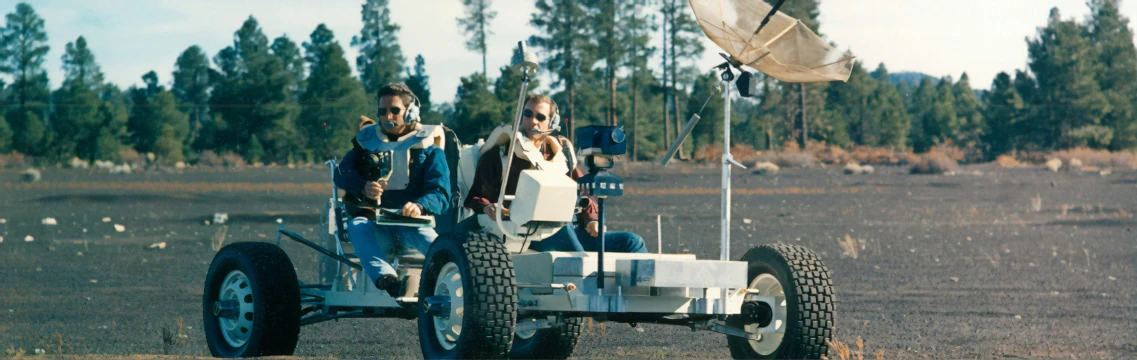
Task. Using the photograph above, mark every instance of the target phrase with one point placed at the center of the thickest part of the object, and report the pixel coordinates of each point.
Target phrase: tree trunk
(666, 90)
(803, 143)
(482, 31)
(635, 113)
(612, 66)
(674, 88)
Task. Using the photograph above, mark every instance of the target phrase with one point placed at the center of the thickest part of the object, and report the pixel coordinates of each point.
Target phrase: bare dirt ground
(995, 263)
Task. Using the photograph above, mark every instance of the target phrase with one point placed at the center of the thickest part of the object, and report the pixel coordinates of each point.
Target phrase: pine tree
(380, 59)
(24, 41)
(1032, 132)
(805, 101)
(971, 125)
(768, 117)
(891, 114)
(1065, 63)
(476, 26)
(1110, 34)
(708, 131)
(476, 110)
(75, 120)
(1004, 115)
(193, 79)
(155, 124)
(922, 132)
(5, 136)
(419, 83)
(289, 54)
(635, 34)
(251, 97)
(684, 42)
(570, 53)
(942, 123)
(113, 113)
(850, 104)
(334, 99)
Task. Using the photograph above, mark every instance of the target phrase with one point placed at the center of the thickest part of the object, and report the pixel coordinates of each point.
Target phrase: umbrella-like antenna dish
(784, 49)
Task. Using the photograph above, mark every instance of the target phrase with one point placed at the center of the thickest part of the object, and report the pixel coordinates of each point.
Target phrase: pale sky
(131, 37)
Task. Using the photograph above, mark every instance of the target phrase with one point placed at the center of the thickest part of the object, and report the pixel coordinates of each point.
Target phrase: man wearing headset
(427, 192)
(539, 119)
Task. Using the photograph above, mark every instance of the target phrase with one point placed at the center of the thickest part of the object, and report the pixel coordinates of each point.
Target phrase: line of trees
(283, 101)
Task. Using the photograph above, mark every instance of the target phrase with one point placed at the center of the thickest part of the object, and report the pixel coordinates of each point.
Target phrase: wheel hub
(448, 326)
(775, 317)
(234, 308)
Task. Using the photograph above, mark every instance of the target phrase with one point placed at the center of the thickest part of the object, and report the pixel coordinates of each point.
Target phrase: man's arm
(436, 183)
(346, 177)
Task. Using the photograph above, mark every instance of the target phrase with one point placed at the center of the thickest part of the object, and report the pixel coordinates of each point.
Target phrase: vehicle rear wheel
(553, 343)
(803, 310)
(467, 299)
(251, 305)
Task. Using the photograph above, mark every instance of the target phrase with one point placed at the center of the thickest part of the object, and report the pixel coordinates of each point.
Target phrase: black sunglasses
(529, 114)
(394, 111)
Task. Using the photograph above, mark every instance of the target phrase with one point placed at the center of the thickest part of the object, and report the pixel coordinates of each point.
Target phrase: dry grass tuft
(16, 353)
(219, 238)
(843, 351)
(850, 246)
(934, 162)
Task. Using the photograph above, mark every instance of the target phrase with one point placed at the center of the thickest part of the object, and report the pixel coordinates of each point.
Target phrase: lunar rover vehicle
(486, 295)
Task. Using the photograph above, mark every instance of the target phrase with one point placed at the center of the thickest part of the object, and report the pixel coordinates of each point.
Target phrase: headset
(411, 115)
(554, 123)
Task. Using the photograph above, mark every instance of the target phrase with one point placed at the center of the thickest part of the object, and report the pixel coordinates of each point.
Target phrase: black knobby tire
(554, 343)
(809, 302)
(489, 298)
(275, 299)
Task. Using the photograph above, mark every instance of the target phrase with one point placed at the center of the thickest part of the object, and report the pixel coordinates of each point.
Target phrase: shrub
(934, 162)
(15, 160)
(1007, 161)
(232, 160)
(210, 158)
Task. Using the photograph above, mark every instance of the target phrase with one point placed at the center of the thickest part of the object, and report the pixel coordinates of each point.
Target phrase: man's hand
(593, 228)
(491, 210)
(373, 190)
(412, 209)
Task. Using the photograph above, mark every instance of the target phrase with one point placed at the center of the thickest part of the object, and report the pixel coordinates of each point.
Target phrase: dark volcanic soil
(946, 266)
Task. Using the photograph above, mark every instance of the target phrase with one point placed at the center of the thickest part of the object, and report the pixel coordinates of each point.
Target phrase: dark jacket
(487, 184)
(429, 182)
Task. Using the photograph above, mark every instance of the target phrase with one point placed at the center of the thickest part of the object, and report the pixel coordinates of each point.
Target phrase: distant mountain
(912, 78)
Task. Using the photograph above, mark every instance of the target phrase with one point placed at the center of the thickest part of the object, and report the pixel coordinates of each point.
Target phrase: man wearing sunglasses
(424, 179)
(538, 121)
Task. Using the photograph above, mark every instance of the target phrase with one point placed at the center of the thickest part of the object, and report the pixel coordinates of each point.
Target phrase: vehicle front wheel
(251, 305)
(467, 299)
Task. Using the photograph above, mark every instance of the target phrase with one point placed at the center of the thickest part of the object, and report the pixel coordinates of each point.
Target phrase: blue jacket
(429, 181)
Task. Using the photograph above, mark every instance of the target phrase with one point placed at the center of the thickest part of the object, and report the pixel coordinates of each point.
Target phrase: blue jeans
(614, 241)
(375, 244)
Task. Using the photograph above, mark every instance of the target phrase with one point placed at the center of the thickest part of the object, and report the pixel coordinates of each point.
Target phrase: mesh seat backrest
(454, 152)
